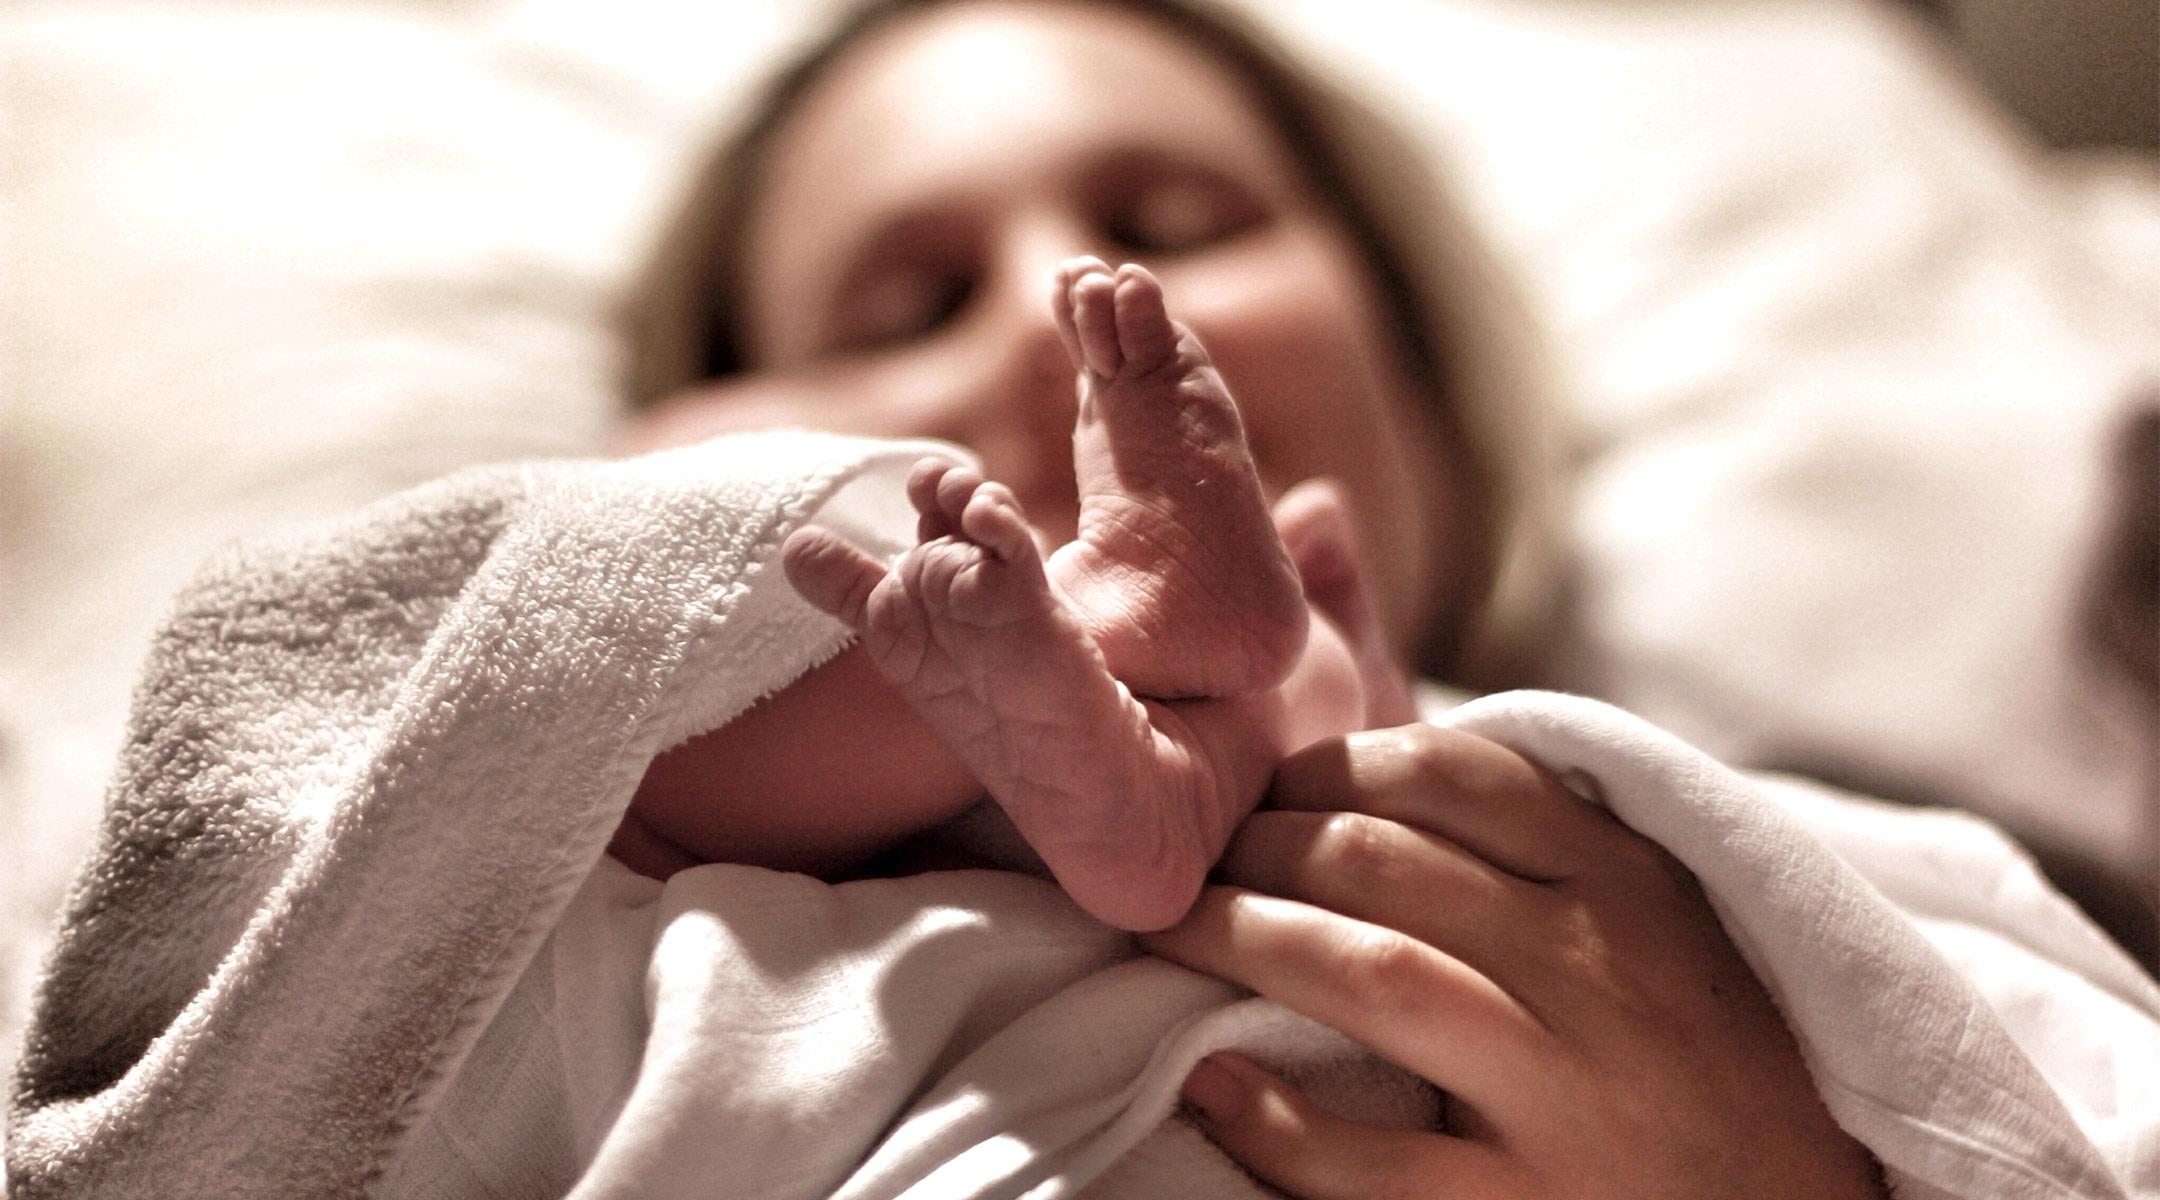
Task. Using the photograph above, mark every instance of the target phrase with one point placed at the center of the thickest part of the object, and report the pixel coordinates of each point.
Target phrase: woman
(869, 258)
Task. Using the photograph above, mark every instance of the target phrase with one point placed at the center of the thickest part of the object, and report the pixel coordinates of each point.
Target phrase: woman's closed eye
(921, 272)
(903, 303)
(909, 281)
(1157, 210)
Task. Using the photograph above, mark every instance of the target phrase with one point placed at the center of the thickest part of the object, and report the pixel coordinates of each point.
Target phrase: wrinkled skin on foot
(1124, 699)
(1177, 570)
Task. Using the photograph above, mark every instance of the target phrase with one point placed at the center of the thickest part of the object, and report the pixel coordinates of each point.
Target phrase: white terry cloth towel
(328, 931)
(366, 770)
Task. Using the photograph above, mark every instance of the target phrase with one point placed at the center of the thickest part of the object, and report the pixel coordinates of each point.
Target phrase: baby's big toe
(834, 575)
(1087, 308)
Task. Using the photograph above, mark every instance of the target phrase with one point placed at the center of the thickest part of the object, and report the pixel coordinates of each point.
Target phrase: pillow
(271, 262)
(1845, 359)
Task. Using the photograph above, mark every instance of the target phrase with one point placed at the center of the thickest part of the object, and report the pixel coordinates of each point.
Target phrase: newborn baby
(1126, 698)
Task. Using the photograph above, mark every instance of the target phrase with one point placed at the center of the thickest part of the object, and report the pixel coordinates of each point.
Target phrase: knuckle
(1354, 849)
(1389, 970)
(1430, 758)
(1414, 745)
(1443, 762)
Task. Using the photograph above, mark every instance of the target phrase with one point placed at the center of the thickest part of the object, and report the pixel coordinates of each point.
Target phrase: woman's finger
(1408, 1002)
(1388, 873)
(1273, 1131)
(1479, 794)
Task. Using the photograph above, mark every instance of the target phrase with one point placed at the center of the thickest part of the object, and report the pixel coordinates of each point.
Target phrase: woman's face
(899, 262)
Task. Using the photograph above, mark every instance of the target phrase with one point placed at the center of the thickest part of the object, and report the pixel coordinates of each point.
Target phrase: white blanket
(972, 1034)
(324, 934)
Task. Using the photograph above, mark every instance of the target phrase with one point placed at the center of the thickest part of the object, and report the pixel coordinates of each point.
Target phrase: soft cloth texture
(364, 774)
(952, 1034)
(1837, 343)
(324, 933)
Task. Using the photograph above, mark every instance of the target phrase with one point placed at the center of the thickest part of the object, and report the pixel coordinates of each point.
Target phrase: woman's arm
(1559, 977)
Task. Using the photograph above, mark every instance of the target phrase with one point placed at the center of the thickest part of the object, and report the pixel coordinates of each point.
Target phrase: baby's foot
(961, 609)
(1177, 570)
(1127, 803)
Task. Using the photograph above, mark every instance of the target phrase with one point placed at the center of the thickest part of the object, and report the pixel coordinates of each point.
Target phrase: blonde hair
(1463, 337)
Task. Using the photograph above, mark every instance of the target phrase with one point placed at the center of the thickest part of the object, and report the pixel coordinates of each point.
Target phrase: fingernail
(1214, 1092)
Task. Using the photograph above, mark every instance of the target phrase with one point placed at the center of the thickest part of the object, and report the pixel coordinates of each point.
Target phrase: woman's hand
(1560, 978)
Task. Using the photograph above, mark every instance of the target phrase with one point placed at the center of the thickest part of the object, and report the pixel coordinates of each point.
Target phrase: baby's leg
(1177, 570)
(1129, 802)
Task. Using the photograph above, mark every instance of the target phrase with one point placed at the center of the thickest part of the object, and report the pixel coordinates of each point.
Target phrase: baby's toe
(831, 573)
(995, 520)
(925, 486)
(1069, 273)
(1094, 301)
(954, 490)
(1146, 337)
(954, 584)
